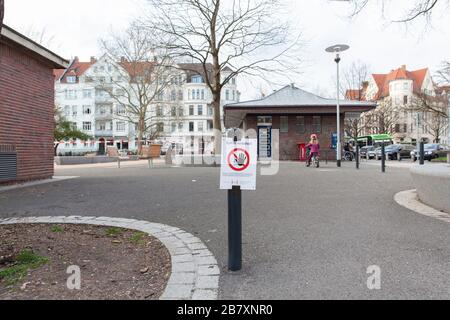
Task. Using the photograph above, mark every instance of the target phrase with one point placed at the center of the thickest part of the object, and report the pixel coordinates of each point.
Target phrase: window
(87, 93)
(159, 111)
(180, 94)
(209, 125)
(191, 110)
(210, 111)
(71, 94)
(200, 126)
(173, 95)
(71, 79)
(87, 126)
(284, 124)
(160, 96)
(160, 127)
(189, 94)
(405, 99)
(74, 111)
(197, 79)
(121, 110)
(181, 111)
(317, 124)
(265, 120)
(300, 125)
(74, 125)
(233, 81)
(227, 95)
(180, 127)
(203, 94)
(120, 126)
(173, 126)
(233, 95)
(191, 127)
(67, 111)
(198, 94)
(102, 126)
(200, 110)
(173, 111)
(86, 109)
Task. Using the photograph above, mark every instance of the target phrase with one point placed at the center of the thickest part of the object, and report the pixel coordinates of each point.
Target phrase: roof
(291, 96)
(355, 94)
(52, 58)
(383, 80)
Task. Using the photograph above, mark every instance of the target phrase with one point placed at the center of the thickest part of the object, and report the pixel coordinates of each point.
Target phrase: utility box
(8, 163)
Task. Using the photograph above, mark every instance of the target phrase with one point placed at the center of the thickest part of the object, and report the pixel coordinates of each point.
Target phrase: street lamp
(338, 49)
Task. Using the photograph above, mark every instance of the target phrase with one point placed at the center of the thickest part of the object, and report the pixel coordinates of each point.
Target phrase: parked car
(368, 150)
(399, 151)
(432, 151)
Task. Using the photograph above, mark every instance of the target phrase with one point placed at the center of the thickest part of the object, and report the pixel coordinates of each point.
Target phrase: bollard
(383, 158)
(422, 153)
(235, 229)
(357, 156)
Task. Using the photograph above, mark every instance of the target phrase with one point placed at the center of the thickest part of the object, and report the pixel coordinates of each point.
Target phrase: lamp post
(338, 49)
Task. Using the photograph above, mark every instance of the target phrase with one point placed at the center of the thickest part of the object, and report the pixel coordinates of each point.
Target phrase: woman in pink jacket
(314, 148)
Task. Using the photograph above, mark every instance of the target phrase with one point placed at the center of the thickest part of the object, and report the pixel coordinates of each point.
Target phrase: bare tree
(138, 85)
(433, 109)
(414, 10)
(443, 74)
(383, 119)
(240, 36)
(353, 87)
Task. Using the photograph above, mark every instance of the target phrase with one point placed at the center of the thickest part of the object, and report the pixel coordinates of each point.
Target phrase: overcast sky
(76, 26)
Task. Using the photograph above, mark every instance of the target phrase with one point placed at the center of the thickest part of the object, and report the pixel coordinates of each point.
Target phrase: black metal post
(422, 153)
(383, 158)
(235, 229)
(357, 156)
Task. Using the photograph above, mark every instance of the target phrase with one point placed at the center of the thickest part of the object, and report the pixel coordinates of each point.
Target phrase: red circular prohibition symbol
(235, 160)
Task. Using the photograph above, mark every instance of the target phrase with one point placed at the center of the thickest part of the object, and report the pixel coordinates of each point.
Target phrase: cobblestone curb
(195, 274)
(410, 200)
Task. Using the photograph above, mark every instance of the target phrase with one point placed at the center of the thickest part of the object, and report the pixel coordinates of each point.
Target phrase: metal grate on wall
(8, 162)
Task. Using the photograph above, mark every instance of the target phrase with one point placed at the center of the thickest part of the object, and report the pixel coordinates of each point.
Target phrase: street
(307, 233)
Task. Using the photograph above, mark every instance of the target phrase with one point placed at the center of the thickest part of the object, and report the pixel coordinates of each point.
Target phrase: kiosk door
(265, 142)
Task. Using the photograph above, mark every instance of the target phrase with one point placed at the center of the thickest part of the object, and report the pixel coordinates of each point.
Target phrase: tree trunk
(56, 149)
(141, 129)
(217, 125)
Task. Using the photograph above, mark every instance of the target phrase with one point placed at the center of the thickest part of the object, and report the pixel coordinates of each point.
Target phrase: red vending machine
(302, 151)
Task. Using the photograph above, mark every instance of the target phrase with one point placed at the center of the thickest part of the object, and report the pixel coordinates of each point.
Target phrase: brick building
(26, 107)
(296, 114)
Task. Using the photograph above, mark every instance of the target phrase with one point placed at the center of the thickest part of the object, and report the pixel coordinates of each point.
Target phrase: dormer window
(71, 79)
(197, 79)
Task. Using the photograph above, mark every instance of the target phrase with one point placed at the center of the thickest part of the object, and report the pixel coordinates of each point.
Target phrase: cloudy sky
(73, 27)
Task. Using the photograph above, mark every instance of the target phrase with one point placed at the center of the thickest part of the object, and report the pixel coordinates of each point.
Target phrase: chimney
(76, 59)
(365, 84)
(293, 85)
(123, 60)
(404, 67)
(93, 60)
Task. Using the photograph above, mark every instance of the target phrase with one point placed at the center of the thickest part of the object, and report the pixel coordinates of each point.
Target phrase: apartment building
(180, 114)
(397, 93)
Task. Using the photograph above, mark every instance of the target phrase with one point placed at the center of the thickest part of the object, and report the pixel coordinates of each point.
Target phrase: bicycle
(315, 160)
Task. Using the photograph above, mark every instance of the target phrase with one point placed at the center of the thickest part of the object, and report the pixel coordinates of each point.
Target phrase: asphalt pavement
(308, 233)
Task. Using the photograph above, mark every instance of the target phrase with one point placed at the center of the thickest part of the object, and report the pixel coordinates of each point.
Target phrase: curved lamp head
(337, 48)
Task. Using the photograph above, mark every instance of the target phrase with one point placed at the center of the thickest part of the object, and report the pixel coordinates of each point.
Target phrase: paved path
(308, 233)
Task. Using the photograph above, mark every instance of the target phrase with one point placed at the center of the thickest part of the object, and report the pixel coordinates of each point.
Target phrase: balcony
(104, 116)
(103, 133)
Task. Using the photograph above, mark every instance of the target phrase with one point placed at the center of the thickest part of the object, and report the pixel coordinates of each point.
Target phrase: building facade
(398, 94)
(26, 108)
(180, 114)
(296, 114)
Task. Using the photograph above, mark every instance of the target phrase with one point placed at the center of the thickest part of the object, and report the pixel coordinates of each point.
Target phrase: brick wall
(288, 141)
(26, 110)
